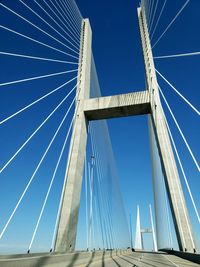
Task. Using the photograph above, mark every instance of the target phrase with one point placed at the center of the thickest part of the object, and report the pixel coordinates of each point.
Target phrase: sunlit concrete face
(117, 106)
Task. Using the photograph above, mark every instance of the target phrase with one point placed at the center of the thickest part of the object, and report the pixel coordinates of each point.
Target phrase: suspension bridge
(61, 197)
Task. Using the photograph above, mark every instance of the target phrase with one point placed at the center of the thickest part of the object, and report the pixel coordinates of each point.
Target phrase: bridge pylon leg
(177, 202)
(67, 225)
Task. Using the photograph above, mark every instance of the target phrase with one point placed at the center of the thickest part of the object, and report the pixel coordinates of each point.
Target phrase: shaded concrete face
(131, 104)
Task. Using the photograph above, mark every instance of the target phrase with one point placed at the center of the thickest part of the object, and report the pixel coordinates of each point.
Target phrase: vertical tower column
(67, 226)
(153, 231)
(138, 234)
(175, 194)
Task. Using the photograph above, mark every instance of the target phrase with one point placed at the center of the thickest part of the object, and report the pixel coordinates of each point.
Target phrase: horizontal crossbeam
(137, 103)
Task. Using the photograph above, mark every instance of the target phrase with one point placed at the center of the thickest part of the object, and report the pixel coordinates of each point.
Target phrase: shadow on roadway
(44, 261)
(91, 259)
(75, 257)
(115, 262)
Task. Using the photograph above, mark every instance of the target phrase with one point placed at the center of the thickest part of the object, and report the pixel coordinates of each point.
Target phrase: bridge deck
(144, 260)
(98, 259)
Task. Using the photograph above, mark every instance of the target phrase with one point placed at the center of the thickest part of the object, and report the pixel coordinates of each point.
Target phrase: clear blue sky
(118, 56)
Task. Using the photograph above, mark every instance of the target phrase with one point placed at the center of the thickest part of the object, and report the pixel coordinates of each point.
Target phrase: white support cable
(187, 101)
(36, 101)
(36, 41)
(182, 169)
(86, 201)
(173, 193)
(184, 207)
(178, 184)
(147, 8)
(154, 13)
(159, 17)
(67, 11)
(142, 5)
(167, 211)
(110, 226)
(106, 234)
(36, 77)
(77, 21)
(98, 180)
(72, 13)
(149, 11)
(38, 28)
(54, 173)
(76, 9)
(91, 181)
(153, 231)
(93, 221)
(173, 190)
(104, 198)
(170, 24)
(168, 215)
(103, 201)
(99, 177)
(75, 46)
(38, 58)
(65, 181)
(180, 131)
(150, 14)
(76, 37)
(38, 128)
(97, 222)
(31, 179)
(89, 223)
(178, 55)
(165, 194)
(100, 216)
(109, 235)
(66, 19)
(68, 34)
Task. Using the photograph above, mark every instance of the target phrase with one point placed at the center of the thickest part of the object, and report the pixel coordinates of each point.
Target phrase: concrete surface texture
(136, 103)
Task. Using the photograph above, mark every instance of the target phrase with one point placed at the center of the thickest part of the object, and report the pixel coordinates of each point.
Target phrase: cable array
(104, 206)
(49, 34)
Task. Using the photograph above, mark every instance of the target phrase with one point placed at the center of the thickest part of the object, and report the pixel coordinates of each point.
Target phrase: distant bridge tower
(139, 244)
(138, 233)
(137, 103)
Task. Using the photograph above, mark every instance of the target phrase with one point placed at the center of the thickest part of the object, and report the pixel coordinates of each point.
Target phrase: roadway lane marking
(171, 261)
